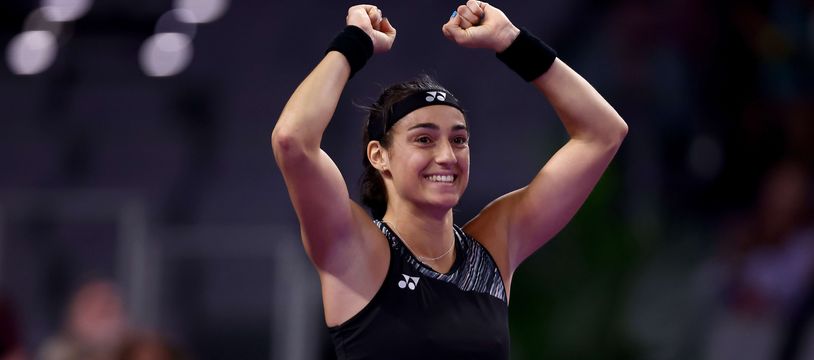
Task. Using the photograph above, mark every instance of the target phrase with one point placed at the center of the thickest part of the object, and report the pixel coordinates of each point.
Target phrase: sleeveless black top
(419, 313)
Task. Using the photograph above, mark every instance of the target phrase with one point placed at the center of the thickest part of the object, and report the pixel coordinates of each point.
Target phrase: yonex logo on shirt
(409, 282)
(435, 95)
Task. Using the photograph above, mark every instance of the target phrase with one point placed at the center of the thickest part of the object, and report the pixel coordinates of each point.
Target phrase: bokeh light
(177, 21)
(31, 52)
(65, 10)
(202, 11)
(38, 20)
(165, 54)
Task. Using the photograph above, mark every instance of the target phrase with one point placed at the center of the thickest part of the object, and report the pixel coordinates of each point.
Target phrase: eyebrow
(435, 127)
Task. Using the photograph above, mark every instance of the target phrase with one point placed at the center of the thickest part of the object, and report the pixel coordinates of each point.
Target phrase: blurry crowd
(765, 273)
(95, 327)
(763, 268)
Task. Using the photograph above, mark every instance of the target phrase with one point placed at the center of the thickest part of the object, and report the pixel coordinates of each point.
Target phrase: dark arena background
(140, 203)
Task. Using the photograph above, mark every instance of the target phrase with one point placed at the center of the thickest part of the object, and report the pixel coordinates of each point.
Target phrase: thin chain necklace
(421, 258)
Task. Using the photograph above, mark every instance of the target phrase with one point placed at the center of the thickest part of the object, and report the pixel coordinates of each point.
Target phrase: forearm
(583, 112)
(311, 106)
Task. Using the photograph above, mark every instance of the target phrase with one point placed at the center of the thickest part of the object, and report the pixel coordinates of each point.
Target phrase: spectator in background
(768, 264)
(95, 325)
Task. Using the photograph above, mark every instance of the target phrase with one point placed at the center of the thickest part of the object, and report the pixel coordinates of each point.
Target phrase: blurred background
(142, 215)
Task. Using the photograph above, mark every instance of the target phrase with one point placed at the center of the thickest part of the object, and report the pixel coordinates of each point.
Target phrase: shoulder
(490, 227)
(354, 274)
(364, 245)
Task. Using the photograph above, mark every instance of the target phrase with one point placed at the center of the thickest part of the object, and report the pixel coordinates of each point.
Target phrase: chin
(447, 201)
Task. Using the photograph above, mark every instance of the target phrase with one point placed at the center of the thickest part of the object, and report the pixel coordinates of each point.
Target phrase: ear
(377, 155)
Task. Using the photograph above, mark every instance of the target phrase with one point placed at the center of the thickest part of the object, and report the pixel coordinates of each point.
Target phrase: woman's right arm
(327, 215)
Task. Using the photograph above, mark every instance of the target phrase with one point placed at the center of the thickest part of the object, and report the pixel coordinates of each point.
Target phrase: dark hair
(374, 193)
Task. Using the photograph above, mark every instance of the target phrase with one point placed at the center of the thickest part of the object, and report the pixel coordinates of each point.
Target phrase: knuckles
(470, 30)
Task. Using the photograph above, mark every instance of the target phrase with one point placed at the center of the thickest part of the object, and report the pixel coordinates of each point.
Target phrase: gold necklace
(422, 258)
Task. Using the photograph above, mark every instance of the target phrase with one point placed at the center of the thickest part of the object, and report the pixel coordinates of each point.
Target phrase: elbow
(622, 130)
(286, 144)
(281, 140)
(613, 136)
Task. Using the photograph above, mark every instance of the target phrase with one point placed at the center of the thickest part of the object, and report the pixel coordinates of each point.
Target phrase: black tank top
(419, 313)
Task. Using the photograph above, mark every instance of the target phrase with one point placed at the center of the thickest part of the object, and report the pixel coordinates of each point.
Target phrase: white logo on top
(409, 282)
(435, 95)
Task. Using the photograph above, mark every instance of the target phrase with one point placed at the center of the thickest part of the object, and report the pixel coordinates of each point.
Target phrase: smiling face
(427, 162)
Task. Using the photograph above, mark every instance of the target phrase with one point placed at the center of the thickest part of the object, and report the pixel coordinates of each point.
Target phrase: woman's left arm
(540, 210)
(522, 221)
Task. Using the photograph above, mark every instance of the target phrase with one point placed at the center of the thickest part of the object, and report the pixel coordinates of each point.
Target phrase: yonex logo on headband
(435, 95)
(415, 101)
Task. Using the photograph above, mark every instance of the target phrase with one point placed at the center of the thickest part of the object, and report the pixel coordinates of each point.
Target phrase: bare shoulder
(355, 270)
(492, 223)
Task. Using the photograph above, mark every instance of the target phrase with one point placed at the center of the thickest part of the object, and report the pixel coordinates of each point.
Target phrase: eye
(460, 140)
(423, 139)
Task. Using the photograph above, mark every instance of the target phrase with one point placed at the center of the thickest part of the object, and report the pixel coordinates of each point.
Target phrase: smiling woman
(407, 282)
(417, 117)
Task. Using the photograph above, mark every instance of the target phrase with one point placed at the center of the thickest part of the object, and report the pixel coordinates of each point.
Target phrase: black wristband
(528, 56)
(355, 44)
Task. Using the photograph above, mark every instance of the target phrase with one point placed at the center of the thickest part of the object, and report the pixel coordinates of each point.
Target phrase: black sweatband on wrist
(355, 44)
(528, 56)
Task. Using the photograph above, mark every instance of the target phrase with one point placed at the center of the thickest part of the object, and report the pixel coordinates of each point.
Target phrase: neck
(427, 234)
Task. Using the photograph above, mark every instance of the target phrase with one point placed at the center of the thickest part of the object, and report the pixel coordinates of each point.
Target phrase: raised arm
(519, 223)
(328, 217)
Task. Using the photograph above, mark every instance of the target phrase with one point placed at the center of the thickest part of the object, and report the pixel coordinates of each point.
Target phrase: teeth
(440, 178)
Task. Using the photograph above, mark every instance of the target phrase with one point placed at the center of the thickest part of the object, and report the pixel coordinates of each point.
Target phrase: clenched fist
(369, 18)
(477, 24)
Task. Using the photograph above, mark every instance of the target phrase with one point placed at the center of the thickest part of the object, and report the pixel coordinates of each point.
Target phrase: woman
(410, 283)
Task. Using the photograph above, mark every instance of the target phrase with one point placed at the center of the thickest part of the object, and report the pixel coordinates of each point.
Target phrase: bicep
(321, 200)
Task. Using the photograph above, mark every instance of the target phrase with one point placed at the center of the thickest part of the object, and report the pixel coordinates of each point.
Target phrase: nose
(445, 154)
